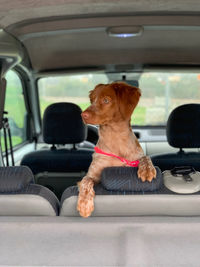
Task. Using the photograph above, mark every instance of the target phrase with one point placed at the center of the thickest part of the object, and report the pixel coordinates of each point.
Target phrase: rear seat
(115, 196)
(149, 199)
(19, 196)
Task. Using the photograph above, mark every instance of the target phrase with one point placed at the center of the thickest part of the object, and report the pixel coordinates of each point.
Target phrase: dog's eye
(106, 101)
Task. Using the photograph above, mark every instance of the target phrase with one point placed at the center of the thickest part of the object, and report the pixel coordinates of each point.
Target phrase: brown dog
(111, 108)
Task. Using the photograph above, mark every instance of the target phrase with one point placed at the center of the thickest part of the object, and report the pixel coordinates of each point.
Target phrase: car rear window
(161, 92)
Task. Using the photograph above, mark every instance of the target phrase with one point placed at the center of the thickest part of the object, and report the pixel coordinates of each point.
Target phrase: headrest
(183, 126)
(15, 179)
(126, 179)
(62, 124)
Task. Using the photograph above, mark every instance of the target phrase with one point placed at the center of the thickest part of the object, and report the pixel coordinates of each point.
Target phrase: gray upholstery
(106, 241)
(127, 180)
(115, 203)
(19, 196)
(137, 205)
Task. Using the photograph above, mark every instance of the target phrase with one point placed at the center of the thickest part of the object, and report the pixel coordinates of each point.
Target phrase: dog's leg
(146, 170)
(85, 204)
(86, 195)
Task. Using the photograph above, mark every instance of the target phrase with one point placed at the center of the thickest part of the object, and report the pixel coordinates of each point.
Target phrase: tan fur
(111, 108)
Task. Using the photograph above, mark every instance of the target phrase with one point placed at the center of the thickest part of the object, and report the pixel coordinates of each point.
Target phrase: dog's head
(111, 103)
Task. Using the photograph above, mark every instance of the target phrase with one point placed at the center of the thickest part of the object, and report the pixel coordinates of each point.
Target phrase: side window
(15, 106)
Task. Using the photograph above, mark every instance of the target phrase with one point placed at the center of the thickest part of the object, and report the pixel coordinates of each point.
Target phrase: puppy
(111, 108)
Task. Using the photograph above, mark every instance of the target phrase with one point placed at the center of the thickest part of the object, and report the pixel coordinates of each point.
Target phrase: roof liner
(60, 34)
(12, 12)
(98, 49)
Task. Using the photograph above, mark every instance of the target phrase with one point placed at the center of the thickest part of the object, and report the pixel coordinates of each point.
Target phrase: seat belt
(4, 122)
(7, 133)
(2, 103)
(2, 99)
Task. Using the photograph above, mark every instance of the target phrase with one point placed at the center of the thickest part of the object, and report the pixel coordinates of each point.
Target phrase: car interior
(52, 54)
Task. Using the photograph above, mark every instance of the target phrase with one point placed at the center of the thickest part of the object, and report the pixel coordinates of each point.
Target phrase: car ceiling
(59, 34)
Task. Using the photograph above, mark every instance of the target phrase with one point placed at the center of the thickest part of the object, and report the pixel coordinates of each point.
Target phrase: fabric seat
(183, 131)
(133, 198)
(161, 202)
(20, 196)
(57, 168)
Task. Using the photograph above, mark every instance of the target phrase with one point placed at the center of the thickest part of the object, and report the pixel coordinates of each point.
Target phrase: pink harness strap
(128, 162)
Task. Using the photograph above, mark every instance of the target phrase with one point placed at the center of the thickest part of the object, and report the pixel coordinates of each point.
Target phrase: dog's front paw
(146, 170)
(85, 204)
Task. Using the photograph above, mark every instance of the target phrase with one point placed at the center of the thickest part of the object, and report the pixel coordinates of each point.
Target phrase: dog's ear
(127, 98)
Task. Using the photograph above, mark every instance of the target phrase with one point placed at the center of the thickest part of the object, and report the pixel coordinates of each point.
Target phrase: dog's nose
(85, 115)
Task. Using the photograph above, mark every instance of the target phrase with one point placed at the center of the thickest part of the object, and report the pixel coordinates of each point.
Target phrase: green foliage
(151, 85)
(15, 106)
(16, 140)
(138, 117)
(83, 106)
(188, 87)
(71, 86)
(156, 88)
(43, 105)
(14, 103)
(179, 85)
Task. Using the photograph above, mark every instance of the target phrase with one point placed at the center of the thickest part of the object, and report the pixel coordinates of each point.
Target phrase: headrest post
(74, 146)
(181, 151)
(53, 147)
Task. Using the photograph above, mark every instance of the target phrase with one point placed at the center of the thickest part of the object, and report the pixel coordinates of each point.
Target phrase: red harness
(128, 162)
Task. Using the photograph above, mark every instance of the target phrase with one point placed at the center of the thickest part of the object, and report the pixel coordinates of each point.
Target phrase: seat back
(20, 196)
(124, 195)
(183, 131)
(58, 168)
